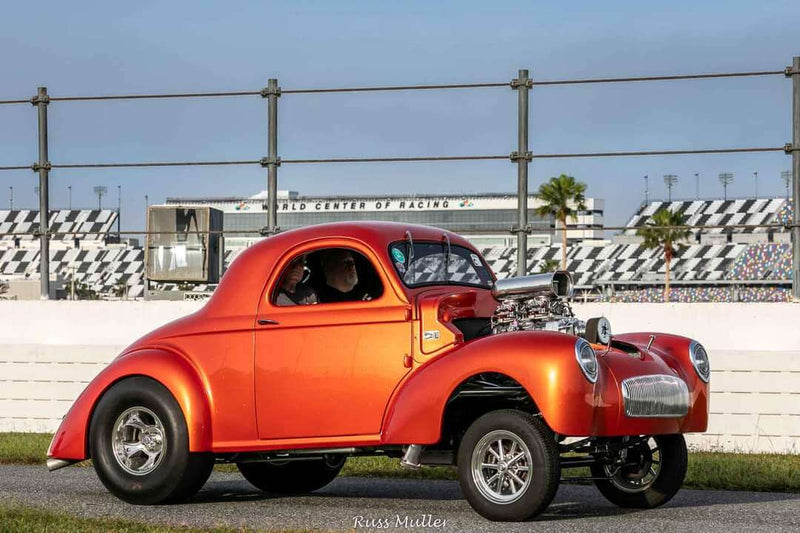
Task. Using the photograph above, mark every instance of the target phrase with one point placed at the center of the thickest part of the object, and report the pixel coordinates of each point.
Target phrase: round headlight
(587, 359)
(699, 358)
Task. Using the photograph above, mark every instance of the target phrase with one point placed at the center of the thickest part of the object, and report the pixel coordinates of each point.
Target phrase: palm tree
(561, 197)
(548, 265)
(660, 232)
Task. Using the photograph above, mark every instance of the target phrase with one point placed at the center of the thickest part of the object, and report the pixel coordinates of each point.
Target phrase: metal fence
(522, 156)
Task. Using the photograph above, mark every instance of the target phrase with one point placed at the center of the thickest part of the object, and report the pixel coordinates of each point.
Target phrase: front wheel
(293, 477)
(648, 475)
(508, 466)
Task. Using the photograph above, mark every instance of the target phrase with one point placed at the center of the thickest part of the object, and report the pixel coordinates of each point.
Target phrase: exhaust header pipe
(556, 284)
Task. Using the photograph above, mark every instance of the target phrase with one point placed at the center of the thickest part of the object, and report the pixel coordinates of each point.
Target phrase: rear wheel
(508, 466)
(293, 477)
(139, 445)
(648, 475)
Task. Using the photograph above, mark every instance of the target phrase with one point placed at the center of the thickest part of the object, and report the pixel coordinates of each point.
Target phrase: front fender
(543, 362)
(170, 369)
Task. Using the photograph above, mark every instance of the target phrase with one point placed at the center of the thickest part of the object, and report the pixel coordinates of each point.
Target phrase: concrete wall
(49, 351)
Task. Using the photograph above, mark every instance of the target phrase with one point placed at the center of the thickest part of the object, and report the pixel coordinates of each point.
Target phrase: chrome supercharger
(541, 302)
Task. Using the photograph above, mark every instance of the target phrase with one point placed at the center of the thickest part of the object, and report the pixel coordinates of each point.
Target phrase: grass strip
(707, 470)
(21, 519)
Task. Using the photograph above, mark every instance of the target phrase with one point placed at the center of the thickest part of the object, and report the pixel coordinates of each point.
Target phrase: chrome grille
(658, 396)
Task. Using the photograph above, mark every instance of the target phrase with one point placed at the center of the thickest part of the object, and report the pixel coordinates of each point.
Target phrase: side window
(328, 275)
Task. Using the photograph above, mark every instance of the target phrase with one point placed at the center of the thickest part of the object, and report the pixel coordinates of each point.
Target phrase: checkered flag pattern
(89, 224)
(717, 213)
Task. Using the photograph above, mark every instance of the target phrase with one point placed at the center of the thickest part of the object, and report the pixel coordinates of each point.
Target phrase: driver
(292, 291)
(341, 278)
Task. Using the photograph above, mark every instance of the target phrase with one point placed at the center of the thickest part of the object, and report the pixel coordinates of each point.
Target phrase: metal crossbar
(750, 149)
(498, 229)
(379, 88)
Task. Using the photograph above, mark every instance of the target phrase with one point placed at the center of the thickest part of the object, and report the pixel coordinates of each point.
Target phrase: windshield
(428, 263)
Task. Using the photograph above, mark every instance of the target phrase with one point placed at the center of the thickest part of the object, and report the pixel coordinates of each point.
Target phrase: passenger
(341, 278)
(291, 291)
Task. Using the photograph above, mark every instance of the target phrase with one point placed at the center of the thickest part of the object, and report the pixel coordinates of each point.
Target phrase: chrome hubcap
(639, 469)
(138, 440)
(501, 466)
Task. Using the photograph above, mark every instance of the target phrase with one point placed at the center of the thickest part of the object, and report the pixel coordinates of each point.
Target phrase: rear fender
(543, 362)
(172, 370)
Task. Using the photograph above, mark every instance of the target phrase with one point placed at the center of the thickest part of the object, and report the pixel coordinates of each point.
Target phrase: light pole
(100, 191)
(697, 184)
(755, 175)
(11, 197)
(646, 190)
(670, 180)
(725, 178)
(119, 208)
(786, 176)
(69, 188)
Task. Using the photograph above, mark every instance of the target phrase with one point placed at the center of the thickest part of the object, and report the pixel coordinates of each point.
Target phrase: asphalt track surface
(228, 500)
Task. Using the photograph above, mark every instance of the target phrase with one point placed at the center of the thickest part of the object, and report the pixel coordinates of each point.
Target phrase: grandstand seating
(98, 265)
(714, 213)
(592, 263)
(93, 224)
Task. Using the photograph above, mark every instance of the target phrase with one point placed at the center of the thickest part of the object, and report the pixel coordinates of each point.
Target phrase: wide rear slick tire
(508, 466)
(139, 413)
(292, 477)
(673, 460)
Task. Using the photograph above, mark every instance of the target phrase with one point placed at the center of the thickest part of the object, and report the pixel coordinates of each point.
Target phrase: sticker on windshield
(398, 255)
(475, 260)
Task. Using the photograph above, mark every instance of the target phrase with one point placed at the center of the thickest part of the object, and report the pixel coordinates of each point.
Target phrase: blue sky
(87, 48)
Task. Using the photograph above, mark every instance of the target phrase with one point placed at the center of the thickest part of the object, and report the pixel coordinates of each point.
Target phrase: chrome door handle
(267, 322)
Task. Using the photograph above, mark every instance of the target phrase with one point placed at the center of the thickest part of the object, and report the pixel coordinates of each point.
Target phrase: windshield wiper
(446, 276)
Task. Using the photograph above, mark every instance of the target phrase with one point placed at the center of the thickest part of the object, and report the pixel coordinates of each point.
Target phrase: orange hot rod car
(372, 338)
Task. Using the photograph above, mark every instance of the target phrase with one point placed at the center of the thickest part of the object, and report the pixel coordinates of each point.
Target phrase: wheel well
(475, 397)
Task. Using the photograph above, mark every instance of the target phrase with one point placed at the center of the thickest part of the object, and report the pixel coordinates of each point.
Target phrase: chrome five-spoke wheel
(139, 441)
(139, 444)
(501, 466)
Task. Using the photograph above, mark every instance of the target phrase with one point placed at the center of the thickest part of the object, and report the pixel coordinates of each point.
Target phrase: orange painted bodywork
(363, 373)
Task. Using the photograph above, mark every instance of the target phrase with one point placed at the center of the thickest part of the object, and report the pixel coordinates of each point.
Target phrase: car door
(328, 369)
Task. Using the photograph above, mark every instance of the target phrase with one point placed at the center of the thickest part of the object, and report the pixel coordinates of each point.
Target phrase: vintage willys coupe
(412, 350)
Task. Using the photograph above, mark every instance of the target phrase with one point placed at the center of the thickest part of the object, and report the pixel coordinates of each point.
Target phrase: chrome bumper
(656, 396)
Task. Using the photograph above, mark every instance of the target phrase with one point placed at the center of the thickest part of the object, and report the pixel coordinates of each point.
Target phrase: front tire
(508, 466)
(292, 477)
(653, 473)
(139, 445)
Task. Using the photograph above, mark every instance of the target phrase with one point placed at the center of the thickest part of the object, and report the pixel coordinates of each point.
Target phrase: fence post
(272, 92)
(523, 157)
(43, 167)
(794, 71)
